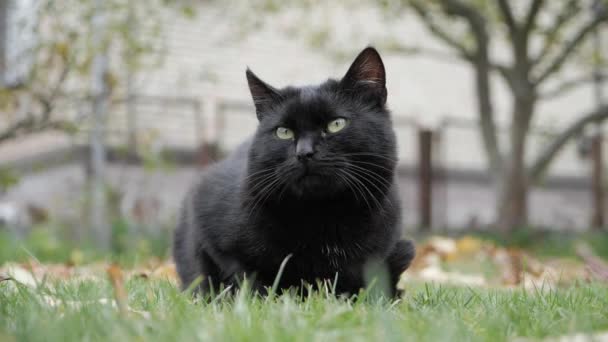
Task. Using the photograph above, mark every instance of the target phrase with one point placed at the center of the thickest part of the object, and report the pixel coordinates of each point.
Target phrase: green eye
(336, 126)
(284, 133)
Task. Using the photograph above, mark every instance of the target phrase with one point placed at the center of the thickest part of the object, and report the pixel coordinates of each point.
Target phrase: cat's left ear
(367, 76)
(263, 94)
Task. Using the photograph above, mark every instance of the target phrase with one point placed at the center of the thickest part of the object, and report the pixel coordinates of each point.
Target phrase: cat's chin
(313, 185)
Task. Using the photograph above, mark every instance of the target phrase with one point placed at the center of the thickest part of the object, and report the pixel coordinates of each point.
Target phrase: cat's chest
(328, 234)
(330, 241)
(323, 238)
(326, 219)
(306, 260)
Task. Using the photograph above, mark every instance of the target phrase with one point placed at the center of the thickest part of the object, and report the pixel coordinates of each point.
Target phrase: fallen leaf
(469, 245)
(117, 280)
(444, 247)
(165, 271)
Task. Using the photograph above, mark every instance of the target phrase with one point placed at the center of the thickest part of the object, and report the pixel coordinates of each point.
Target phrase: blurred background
(109, 109)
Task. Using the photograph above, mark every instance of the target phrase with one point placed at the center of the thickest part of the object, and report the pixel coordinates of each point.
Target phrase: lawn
(52, 299)
(157, 310)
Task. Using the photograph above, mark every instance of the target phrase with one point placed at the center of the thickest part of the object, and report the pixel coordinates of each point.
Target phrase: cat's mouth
(307, 172)
(309, 176)
(311, 179)
(309, 183)
(303, 171)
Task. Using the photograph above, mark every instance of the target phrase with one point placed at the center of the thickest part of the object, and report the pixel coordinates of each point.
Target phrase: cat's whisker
(357, 186)
(348, 185)
(347, 178)
(272, 190)
(371, 194)
(264, 171)
(371, 164)
(260, 183)
(262, 188)
(262, 194)
(374, 175)
(259, 188)
(365, 178)
(370, 154)
(367, 173)
(259, 177)
(284, 185)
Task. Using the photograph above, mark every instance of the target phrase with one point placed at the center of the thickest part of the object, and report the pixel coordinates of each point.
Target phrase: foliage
(8, 178)
(58, 82)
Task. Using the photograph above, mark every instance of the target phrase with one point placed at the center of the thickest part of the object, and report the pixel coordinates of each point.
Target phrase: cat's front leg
(398, 261)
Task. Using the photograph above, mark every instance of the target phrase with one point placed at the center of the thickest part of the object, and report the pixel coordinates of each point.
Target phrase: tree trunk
(512, 211)
(512, 201)
(98, 211)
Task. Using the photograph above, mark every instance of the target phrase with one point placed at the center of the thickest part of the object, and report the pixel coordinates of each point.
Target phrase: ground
(466, 289)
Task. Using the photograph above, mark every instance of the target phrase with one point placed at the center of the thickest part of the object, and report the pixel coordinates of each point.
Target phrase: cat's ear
(263, 94)
(367, 76)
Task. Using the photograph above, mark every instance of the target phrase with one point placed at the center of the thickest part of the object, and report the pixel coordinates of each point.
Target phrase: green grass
(49, 244)
(427, 313)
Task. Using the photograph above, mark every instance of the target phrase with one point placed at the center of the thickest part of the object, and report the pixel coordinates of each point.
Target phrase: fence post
(220, 123)
(597, 182)
(425, 178)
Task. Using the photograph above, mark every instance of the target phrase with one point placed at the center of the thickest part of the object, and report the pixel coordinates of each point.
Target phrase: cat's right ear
(263, 94)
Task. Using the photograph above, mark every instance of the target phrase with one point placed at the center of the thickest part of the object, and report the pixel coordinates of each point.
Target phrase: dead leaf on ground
(515, 266)
(438, 275)
(118, 284)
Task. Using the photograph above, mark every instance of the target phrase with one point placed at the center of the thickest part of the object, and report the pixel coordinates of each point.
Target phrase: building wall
(206, 59)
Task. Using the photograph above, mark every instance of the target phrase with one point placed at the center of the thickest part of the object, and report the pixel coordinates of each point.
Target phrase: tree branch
(30, 125)
(507, 14)
(569, 48)
(436, 54)
(545, 158)
(569, 11)
(530, 22)
(34, 123)
(439, 32)
(567, 86)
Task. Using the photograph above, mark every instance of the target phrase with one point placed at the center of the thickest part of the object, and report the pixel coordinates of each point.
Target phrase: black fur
(327, 199)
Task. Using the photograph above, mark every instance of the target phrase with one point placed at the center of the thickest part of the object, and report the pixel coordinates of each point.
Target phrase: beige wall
(206, 61)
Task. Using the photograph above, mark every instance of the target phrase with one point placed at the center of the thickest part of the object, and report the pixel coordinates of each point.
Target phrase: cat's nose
(305, 149)
(305, 156)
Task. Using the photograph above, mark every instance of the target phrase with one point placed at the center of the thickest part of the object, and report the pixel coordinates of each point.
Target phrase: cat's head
(323, 140)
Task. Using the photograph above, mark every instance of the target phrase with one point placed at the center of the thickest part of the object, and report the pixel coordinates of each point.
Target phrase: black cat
(316, 182)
